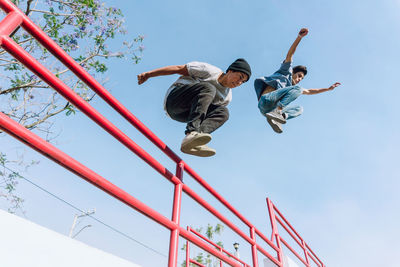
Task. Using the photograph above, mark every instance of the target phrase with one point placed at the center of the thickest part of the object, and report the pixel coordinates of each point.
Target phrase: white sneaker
(194, 139)
(276, 126)
(276, 115)
(201, 151)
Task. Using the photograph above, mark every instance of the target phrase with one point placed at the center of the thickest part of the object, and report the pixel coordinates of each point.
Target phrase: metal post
(176, 214)
(275, 230)
(187, 253)
(10, 23)
(220, 262)
(305, 252)
(254, 247)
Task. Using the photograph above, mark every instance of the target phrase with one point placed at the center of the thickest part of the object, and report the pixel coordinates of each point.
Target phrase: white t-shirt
(204, 72)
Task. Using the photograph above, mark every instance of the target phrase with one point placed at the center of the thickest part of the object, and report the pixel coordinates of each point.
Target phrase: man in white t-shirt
(199, 98)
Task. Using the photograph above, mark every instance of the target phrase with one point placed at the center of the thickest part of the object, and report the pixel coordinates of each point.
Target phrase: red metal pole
(312, 252)
(305, 252)
(319, 264)
(220, 262)
(275, 230)
(10, 23)
(295, 238)
(187, 250)
(176, 213)
(254, 252)
(286, 221)
(294, 252)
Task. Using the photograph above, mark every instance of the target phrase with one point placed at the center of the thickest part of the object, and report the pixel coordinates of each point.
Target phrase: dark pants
(192, 104)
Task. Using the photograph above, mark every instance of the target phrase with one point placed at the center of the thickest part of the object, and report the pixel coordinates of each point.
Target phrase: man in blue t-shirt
(276, 92)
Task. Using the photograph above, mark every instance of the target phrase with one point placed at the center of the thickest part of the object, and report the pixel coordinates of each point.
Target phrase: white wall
(25, 244)
(287, 262)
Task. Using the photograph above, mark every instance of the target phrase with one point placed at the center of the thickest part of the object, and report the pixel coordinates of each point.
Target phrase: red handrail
(16, 18)
(277, 217)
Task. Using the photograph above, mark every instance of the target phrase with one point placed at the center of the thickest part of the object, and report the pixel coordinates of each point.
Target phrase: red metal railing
(276, 217)
(16, 18)
(218, 247)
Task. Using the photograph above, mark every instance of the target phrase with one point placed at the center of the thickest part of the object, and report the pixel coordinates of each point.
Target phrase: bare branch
(7, 91)
(30, 126)
(28, 7)
(55, 14)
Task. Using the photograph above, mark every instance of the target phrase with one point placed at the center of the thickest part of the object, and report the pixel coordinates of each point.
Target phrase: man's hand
(303, 32)
(142, 77)
(333, 86)
(320, 90)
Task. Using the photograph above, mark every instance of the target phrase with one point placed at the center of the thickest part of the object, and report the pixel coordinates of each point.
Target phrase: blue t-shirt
(280, 79)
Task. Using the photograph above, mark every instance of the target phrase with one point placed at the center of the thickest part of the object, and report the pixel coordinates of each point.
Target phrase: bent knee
(265, 101)
(224, 114)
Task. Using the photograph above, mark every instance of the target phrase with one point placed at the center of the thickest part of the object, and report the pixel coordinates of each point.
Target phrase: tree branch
(55, 14)
(7, 91)
(30, 126)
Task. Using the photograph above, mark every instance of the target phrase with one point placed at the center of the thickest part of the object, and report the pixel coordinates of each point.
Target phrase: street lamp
(236, 247)
(76, 217)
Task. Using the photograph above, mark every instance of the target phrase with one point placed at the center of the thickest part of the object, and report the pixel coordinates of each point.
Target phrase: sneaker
(276, 126)
(277, 116)
(200, 151)
(194, 139)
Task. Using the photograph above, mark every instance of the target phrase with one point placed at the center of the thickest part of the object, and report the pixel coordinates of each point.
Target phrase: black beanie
(241, 65)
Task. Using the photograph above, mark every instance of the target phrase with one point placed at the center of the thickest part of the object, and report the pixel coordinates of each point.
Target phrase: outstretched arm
(303, 32)
(320, 90)
(168, 70)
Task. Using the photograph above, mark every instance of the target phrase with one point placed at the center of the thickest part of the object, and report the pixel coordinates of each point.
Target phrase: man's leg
(266, 104)
(190, 103)
(216, 116)
(272, 106)
(287, 95)
(281, 98)
(292, 111)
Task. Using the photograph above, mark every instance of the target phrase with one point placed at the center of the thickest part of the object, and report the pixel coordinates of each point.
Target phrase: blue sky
(334, 171)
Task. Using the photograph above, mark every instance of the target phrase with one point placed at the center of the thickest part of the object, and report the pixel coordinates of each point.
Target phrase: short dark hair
(301, 68)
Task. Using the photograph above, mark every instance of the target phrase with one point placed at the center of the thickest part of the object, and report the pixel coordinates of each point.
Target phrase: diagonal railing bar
(16, 18)
(294, 251)
(313, 254)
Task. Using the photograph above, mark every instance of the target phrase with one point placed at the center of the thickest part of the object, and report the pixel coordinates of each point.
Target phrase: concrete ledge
(24, 243)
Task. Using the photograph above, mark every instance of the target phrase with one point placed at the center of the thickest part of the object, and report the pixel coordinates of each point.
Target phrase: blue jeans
(281, 98)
